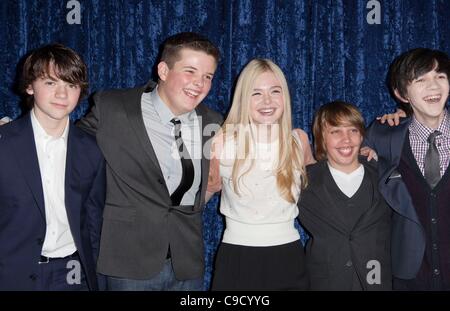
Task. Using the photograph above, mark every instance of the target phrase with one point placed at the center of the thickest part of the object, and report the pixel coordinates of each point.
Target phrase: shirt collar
(40, 133)
(164, 112)
(349, 176)
(422, 132)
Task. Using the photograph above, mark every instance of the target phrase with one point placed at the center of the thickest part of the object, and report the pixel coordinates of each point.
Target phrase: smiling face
(427, 95)
(187, 83)
(342, 145)
(266, 99)
(54, 99)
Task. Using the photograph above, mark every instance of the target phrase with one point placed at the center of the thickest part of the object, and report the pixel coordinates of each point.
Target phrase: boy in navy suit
(413, 170)
(52, 182)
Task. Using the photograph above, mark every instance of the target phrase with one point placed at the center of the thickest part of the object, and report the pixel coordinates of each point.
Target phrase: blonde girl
(258, 161)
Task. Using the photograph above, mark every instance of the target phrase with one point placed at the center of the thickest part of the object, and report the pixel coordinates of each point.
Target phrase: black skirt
(280, 267)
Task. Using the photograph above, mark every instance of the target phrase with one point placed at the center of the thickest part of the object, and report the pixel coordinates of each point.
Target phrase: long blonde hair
(290, 156)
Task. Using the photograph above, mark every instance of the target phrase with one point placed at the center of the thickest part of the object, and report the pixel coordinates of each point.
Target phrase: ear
(163, 70)
(400, 97)
(29, 90)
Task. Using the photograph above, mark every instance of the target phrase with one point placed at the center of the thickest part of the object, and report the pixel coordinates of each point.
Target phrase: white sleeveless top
(259, 216)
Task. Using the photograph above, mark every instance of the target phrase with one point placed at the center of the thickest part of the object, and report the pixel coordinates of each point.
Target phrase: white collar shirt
(51, 153)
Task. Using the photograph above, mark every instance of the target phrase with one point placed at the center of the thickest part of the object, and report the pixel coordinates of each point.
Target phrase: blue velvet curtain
(327, 49)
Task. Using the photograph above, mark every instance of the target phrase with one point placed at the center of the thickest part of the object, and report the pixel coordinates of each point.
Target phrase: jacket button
(436, 271)
(160, 181)
(33, 277)
(435, 247)
(433, 220)
(349, 263)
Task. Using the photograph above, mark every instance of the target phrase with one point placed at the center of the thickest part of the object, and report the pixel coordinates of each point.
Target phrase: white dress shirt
(51, 153)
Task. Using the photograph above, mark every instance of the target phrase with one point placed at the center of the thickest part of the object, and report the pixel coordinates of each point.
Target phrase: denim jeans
(163, 281)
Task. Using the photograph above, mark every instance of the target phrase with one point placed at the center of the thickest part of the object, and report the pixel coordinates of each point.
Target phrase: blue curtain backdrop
(327, 49)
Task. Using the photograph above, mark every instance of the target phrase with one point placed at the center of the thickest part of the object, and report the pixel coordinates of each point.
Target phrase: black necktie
(187, 177)
(432, 166)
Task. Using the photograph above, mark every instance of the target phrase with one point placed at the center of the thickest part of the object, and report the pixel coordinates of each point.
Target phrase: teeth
(433, 98)
(191, 93)
(345, 150)
(266, 110)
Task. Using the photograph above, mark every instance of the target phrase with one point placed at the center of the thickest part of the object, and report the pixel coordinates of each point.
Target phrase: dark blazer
(139, 219)
(338, 253)
(408, 235)
(22, 210)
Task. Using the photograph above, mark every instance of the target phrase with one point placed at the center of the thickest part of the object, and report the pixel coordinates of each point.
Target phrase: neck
(432, 123)
(266, 133)
(165, 99)
(345, 169)
(52, 127)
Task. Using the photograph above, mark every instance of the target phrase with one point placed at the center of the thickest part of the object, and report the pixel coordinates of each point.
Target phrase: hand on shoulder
(307, 152)
(5, 120)
(392, 118)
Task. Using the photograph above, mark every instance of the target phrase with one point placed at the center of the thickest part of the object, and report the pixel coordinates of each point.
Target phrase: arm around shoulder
(5, 120)
(90, 122)
(214, 179)
(307, 152)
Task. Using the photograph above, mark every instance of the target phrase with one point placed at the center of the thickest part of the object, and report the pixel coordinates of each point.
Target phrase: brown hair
(411, 65)
(187, 40)
(336, 113)
(67, 64)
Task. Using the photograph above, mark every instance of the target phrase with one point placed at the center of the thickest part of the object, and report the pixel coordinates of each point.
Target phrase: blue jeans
(163, 281)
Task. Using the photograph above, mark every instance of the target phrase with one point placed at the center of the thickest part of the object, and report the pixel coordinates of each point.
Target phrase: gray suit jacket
(139, 220)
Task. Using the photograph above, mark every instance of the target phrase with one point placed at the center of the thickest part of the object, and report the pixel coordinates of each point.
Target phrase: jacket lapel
(134, 114)
(208, 130)
(368, 214)
(391, 184)
(396, 146)
(327, 209)
(72, 183)
(25, 149)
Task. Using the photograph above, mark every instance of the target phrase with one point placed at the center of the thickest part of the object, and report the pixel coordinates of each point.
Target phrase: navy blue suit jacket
(22, 210)
(407, 234)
